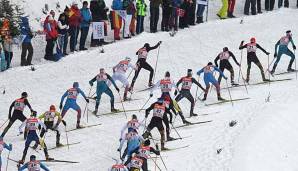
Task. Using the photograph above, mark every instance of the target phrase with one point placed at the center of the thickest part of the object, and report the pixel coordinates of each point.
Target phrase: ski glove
(63, 122)
(151, 95)
(158, 153)
(118, 149)
(294, 47)
(275, 55)
(91, 83)
(117, 89)
(242, 42)
(87, 100)
(60, 106)
(176, 92)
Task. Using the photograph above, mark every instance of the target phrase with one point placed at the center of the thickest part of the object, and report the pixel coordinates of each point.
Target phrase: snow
(263, 139)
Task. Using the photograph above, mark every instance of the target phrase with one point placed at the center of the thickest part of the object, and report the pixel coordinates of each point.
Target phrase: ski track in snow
(262, 128)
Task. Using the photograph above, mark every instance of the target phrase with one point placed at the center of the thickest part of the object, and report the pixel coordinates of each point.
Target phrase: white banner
(98, 30)
(202, 2)
(122, 14)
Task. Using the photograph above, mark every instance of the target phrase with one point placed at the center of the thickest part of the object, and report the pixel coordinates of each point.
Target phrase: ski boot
(205, 97)
(79, 126)
(186, 122)
(146, 134)
(114, 110)
(220, 98)
(48, 158)
(95, 111)
(169, 138)
(266, 80)
(150, 84)
(193, 114)
(290, 70)
(58, 144)
(163, 148)
(35, 146)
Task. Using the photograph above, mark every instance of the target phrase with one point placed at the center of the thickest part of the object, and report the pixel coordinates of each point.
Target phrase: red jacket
(75, 17)
(50, 28)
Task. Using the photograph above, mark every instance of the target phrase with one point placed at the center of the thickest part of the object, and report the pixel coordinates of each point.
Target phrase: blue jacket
(208, 73)
(72, 100)
(3, 62)
(117, 5)
(25, 30)
(87, 18)
(25, 166)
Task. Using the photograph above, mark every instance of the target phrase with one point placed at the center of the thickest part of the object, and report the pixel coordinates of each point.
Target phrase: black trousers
(8, 57)
(16, 115)
(225, 64)
(186, 94)
(49, 50)
(166, 14)
(154, 16)
(26, 60)
(192, 14)
(269, 5)
(285, 2)
(142, 64)
(250, 4)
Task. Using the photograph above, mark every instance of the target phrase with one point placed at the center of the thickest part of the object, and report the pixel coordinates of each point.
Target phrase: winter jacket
(75, 17)
(86, 16)
(3, 62)
(141, 8)
(117, 5)
(25, 30)
(129, 6)
(50, 28)
(63, 24)
(155, 3)
(176, 3)
(98, 10)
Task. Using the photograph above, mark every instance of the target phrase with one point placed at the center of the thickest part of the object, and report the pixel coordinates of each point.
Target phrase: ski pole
(161, 158)
(176, 131)
(155, 163)
(155, 68)
(269, 65)
(207, 10)
(6, 169)
(122, 105)
(4, 123)
(129, 74)
(66, 138)
(240, 66)
(244, 83)
(295, 63)
(87, 104)
(145, 104)
(229, 93)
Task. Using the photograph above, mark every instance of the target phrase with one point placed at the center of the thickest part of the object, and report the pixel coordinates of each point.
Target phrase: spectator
(286, 3)
(116, 18)
(127, 19)
(141, 13)
(154, 14)
(26, 42)
(85, 24)
(166, 14)
(183, 19)
(50, 28)
(259, 6)
(7, 47)
(192, 13)
(223, 12)
(75, 20)
(269, 5)
(63, 30)
(62, 33)
(231, 8)
(200, 10)
(174, 16)
(99, 14)
(250, 4)
(3, 62)
(130, 8)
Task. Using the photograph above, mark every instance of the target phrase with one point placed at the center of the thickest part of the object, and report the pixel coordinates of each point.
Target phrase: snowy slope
(263, 139)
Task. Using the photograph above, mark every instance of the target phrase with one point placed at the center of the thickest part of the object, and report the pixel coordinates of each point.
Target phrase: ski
(175, 148)
(128, 100)
(120, 111)
(264, 82)
(282, 73)
(59, 161)
(177, 138)
(64, 145)
(203, 114)
(146, 89)
(225, 101)
(87, 126)
(193, 123)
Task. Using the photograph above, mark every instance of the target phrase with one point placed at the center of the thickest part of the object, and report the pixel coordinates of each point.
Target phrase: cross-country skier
(102, 87)
(144, 153)
(19, 106)
(119, 73)
(136, 164)
(165, 119)
(252, 57)
(71, 102)
(133, 143)
(142, 56)
(175, 108)
(31, 124)
(224, 63)
(159, 110)
(2, 146)
(185, 90)
(118, 167)
(209, 78)
(282, 46)
(49, 118)
(33, 165)
(131, 125)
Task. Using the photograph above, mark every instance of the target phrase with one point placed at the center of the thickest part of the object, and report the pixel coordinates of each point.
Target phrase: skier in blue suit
(209, 78)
